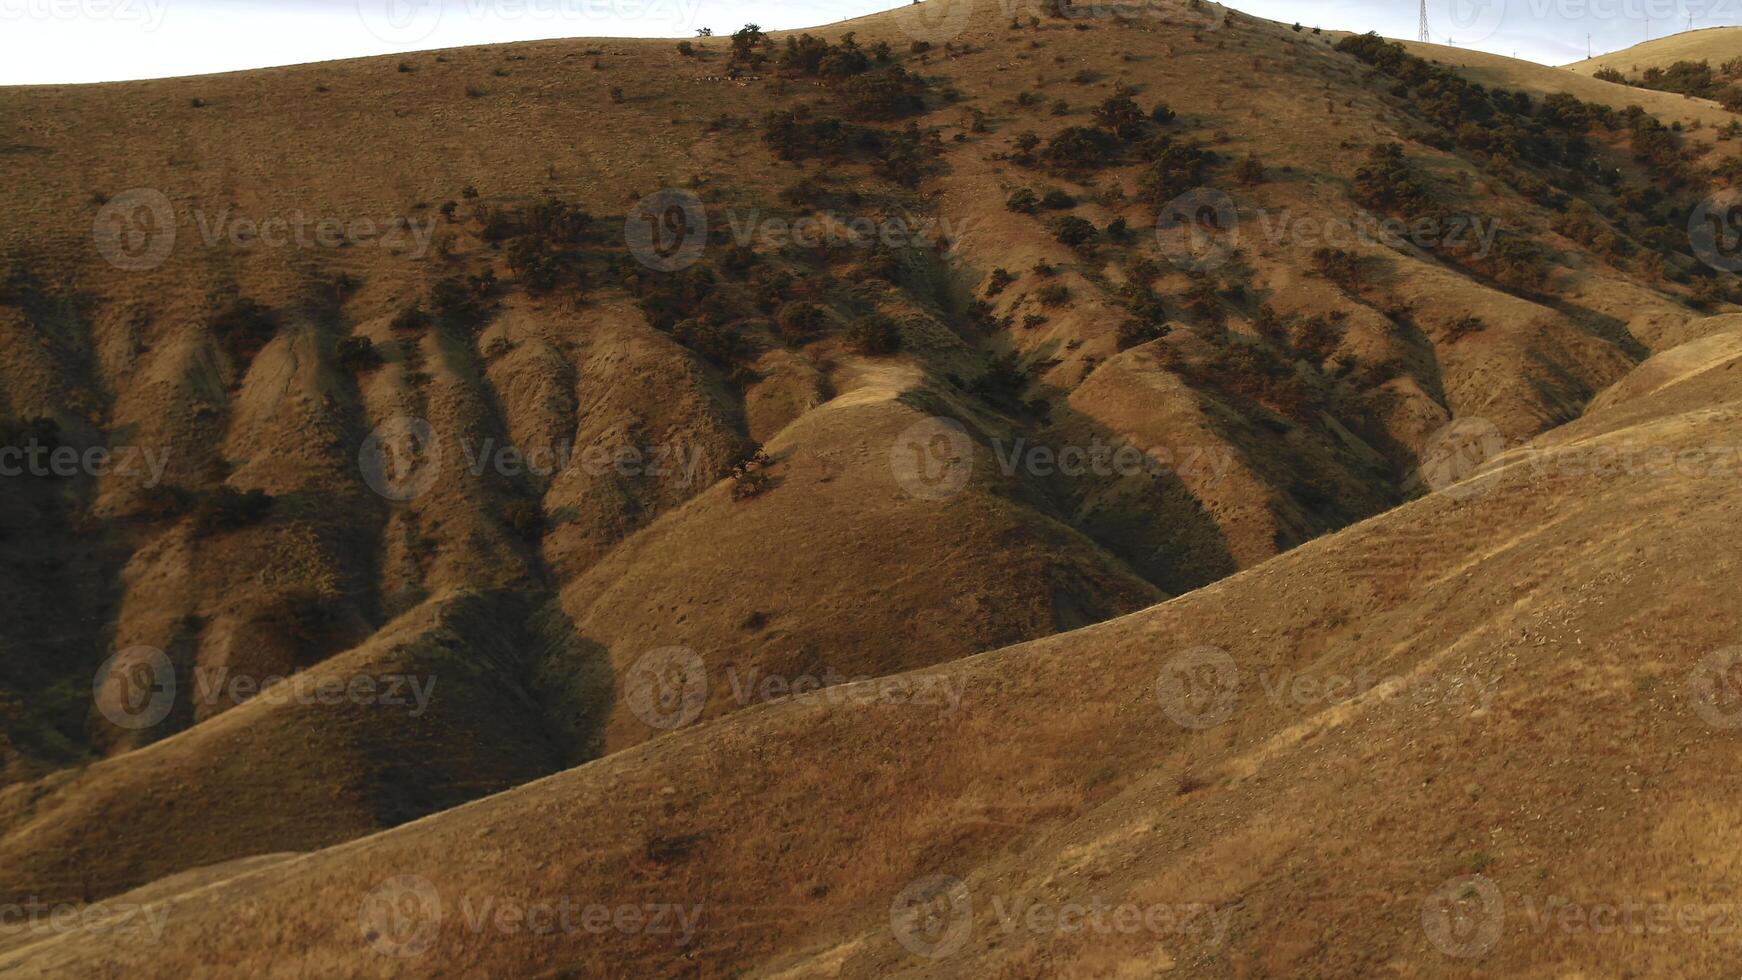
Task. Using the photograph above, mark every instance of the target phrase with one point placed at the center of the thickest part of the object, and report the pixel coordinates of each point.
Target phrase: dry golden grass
(1533, 646)
(1713, 44)
(796, 823)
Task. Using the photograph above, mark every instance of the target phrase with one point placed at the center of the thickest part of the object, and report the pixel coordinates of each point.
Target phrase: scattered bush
(1463, 326)
(1121, 116)
(227, 509)
(357, 354)
(1080, 148)
(1134, 333)
(243, 326)
(1249, 170)
(1339, 266)
(1023, 201)
(800, 322)
(890, 93)
(874, 334)
(412, 319)
(1074, 231)
(750, 475)
(1175, 168)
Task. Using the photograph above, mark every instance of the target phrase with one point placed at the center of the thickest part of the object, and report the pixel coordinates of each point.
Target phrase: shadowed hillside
(472, 416)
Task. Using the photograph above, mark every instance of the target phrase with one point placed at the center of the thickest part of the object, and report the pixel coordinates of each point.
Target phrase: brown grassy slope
(1713, 44)
(1493, 69)
(1534, 366)
(301, 767)
(362, 139)
(729, 580)
(1524, 645)
(143, 368)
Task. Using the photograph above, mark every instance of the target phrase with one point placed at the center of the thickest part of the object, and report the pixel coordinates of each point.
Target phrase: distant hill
(1712, 44)
(1019, 354)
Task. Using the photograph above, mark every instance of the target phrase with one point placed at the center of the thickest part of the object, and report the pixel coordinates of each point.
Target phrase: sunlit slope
(1510, 678)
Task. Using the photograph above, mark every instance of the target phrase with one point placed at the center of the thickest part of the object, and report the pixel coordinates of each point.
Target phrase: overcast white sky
(102, 40)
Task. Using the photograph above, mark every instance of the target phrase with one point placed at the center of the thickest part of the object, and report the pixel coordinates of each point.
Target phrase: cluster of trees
(1507, 127)
(1696, 78)
(904, 156)
(816, 57)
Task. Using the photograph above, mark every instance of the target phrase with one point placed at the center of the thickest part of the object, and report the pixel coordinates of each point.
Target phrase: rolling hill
(627, 475)
(1713, 44)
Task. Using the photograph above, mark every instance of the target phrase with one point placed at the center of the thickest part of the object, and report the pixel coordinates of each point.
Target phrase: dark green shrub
(1134, 332)
(889, 93)
(1057, 200)
(800, 322)
(243, 326)
(226, 509)
(1074, 231)
(874, 334)
(1080, 148)
(357, 354)
(412, 319)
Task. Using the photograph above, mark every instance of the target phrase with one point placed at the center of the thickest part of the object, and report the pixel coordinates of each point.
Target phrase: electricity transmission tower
(1424, 35)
